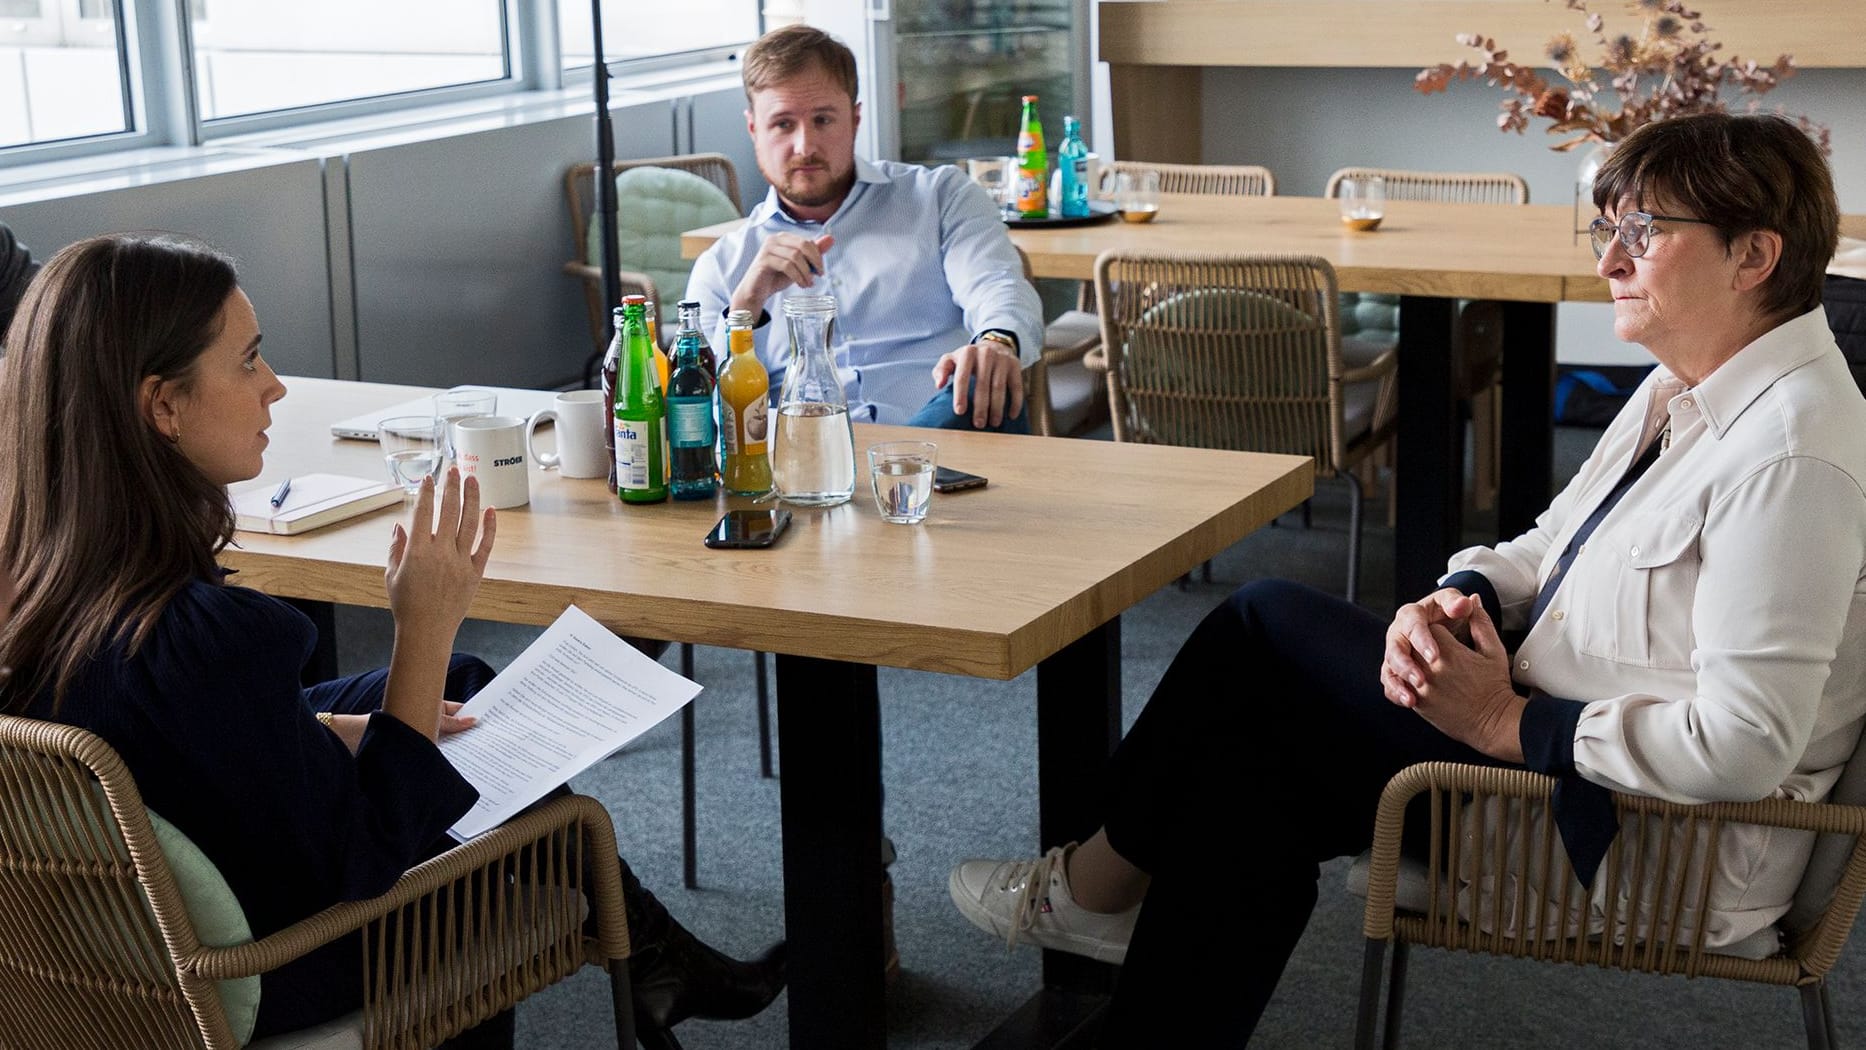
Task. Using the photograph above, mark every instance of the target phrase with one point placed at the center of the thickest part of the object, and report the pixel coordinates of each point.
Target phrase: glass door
(965, 65)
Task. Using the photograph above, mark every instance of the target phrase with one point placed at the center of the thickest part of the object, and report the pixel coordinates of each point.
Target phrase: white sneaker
(1029, 900)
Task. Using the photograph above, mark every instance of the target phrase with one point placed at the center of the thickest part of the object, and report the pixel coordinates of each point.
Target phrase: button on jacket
(921, 264)
(1714, 626)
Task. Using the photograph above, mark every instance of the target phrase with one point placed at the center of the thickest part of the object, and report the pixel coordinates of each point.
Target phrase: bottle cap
(740, 319)
(1030, 98)
(689, 304)
(633, 300)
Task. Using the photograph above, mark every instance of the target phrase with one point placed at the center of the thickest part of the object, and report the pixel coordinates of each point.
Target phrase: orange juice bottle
(744, 412)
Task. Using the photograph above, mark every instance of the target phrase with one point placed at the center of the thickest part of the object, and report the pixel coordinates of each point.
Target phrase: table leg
(1430, 462)
(1078, 725)
(1528, 452)
(829, 731)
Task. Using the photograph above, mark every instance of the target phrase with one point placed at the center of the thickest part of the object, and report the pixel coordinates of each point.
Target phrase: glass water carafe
(813, 452)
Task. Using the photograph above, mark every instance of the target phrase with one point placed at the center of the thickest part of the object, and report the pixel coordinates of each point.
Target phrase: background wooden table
(1032, 571)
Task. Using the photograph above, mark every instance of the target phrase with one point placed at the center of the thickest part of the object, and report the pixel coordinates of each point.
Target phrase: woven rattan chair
(1077, 333)
(1241, 352)
(1477, 341)
(1658, 857)
(580, 198)
(1214, 180)
(98, 951)
(1063, 396)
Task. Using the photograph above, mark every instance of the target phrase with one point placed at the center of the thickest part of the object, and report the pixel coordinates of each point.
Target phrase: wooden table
(1032, 571)
(1429, 254)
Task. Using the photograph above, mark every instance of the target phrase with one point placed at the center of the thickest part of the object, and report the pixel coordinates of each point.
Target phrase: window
(61, 71)
(258, 56)
(82, 77)
(635, 30)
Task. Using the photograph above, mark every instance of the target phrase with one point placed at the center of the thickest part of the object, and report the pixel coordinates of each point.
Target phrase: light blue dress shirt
(921, 264)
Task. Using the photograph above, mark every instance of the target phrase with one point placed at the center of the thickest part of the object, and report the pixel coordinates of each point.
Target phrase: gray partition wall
(270, 218)
(430, 254)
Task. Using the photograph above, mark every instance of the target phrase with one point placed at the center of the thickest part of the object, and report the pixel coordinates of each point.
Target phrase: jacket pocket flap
(1648, 541)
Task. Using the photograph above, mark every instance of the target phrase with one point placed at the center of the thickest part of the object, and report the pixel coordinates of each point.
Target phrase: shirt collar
(770, 211)
(1737, 383)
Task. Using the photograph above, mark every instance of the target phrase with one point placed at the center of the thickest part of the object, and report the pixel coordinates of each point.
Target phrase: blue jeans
(937, 413)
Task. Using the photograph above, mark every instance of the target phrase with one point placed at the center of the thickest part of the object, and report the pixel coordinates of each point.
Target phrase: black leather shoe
(673, 975)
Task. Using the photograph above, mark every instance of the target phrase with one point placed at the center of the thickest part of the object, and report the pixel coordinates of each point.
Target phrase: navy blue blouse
(222, 740)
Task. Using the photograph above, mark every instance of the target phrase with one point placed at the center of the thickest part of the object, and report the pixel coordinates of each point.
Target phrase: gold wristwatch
(998, 337)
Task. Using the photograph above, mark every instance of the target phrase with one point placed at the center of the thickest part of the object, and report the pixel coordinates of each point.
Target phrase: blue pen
(279, 494)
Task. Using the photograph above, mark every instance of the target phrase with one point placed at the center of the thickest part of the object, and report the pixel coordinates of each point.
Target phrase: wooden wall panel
(1417, 33)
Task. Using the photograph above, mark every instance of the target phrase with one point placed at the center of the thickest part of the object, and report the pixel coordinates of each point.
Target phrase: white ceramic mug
(577, 418)
(492, 449)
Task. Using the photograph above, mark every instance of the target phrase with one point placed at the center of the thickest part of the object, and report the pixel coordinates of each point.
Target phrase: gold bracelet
(323, 719)
(998, 337)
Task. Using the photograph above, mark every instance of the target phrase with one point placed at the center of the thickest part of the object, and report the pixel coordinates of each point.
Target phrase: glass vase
(1584, 210)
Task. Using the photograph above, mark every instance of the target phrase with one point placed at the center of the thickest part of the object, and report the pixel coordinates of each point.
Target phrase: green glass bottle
(690, 429)
(641, 414)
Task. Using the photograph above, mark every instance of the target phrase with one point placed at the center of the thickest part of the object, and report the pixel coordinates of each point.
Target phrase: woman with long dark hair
(133, 393)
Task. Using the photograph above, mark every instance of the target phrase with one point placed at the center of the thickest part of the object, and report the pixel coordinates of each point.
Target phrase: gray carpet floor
(961, 782)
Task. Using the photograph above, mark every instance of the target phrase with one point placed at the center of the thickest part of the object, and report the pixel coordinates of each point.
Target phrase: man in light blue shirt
(935, 320)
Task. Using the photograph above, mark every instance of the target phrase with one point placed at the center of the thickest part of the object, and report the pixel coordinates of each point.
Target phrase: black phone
(749, 528)
(946, 479)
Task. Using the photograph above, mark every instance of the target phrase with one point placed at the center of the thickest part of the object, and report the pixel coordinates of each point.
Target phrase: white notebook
(313, 501)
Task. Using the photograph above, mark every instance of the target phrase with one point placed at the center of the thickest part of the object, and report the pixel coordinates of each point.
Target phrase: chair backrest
(580, 186)
(1216, 180)
(1836, 872)
(1470, 187)
(650, 224)
(91, 919)
(1230, 351)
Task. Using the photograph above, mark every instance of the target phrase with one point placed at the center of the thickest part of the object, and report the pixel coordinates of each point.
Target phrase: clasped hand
(1445, 661)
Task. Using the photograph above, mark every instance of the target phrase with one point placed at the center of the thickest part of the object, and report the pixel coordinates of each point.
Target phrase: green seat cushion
(218, 919)
(654, 206)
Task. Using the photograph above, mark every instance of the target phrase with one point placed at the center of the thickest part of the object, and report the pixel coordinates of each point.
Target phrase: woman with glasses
(1690, 611)
(132, 393)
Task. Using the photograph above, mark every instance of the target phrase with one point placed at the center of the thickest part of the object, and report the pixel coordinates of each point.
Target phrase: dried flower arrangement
(1668, 70)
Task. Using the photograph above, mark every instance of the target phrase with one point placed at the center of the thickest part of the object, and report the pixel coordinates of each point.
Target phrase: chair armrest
(1471, 815)
(1096, 360)
(1383, 365)
(517, 841)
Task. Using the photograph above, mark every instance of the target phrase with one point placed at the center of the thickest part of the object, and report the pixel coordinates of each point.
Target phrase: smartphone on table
(741, 529)
(946, 479)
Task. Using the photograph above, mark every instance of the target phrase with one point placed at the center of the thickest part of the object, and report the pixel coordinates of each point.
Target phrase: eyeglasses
(1634, 231)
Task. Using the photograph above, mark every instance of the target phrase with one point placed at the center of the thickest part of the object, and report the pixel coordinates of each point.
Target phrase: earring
(175, 438)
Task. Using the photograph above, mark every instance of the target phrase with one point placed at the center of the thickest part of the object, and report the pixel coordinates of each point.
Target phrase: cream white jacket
(1715, 623)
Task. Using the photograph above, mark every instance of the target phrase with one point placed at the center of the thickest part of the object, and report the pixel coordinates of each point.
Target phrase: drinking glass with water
(414, 448)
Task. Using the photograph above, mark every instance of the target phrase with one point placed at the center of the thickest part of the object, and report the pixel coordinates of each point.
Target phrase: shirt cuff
(412, 782)
(1472, 582)
(1546, 732)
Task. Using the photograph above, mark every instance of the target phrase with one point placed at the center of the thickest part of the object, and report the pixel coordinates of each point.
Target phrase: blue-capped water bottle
(1072, 167)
